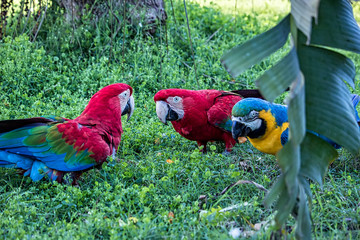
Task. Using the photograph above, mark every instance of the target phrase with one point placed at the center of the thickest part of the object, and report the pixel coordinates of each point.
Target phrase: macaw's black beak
(165, 113)
(172, 115)
(127, 109)
(239, 130)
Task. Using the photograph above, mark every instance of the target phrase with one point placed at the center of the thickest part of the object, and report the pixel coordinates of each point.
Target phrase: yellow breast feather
(270, 142)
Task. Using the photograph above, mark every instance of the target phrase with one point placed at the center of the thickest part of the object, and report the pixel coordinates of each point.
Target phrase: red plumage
(102, 121)
(54, 146)
(206, 114)
(103, 118)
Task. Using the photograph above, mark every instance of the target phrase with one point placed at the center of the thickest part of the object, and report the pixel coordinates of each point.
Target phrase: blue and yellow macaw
(266, 124)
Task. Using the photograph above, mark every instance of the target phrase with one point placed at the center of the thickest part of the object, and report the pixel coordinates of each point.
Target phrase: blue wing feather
(29, 148)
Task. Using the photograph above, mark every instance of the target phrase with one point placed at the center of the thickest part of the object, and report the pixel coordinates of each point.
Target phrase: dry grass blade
(40, 24)
(28, 10)
(258, 186)
(222, 193)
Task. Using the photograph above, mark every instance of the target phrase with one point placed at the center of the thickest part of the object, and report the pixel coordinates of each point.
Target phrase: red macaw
(201, 116)
(54, 146)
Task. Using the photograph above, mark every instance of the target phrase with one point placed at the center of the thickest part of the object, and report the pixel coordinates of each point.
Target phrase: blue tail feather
(355, 100)
(38, 171)
(15, 159)
(37, 147)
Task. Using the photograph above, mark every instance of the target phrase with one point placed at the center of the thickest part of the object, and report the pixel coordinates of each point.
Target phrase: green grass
(132, 196)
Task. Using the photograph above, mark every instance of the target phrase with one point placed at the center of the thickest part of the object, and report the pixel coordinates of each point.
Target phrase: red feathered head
(174, 104)
(112, 100)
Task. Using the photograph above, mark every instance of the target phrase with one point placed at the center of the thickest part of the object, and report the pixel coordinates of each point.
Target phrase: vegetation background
(152, 188)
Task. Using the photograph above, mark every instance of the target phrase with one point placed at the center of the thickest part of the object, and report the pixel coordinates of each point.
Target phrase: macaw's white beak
(162, 110)
(129, 108)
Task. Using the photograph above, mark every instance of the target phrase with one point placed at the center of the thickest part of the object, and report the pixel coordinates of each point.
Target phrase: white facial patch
(176, 104)
(124, 97)
(237, 119)
(253, 124)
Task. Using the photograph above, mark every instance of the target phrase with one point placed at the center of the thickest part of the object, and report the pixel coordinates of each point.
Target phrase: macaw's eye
(253, 114)
(176, 99)
(124, 94)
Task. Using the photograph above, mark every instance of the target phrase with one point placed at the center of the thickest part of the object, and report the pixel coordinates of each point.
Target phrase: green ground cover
(132, 195)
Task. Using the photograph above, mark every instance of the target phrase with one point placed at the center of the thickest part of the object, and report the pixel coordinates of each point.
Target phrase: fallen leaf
(171, 216)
